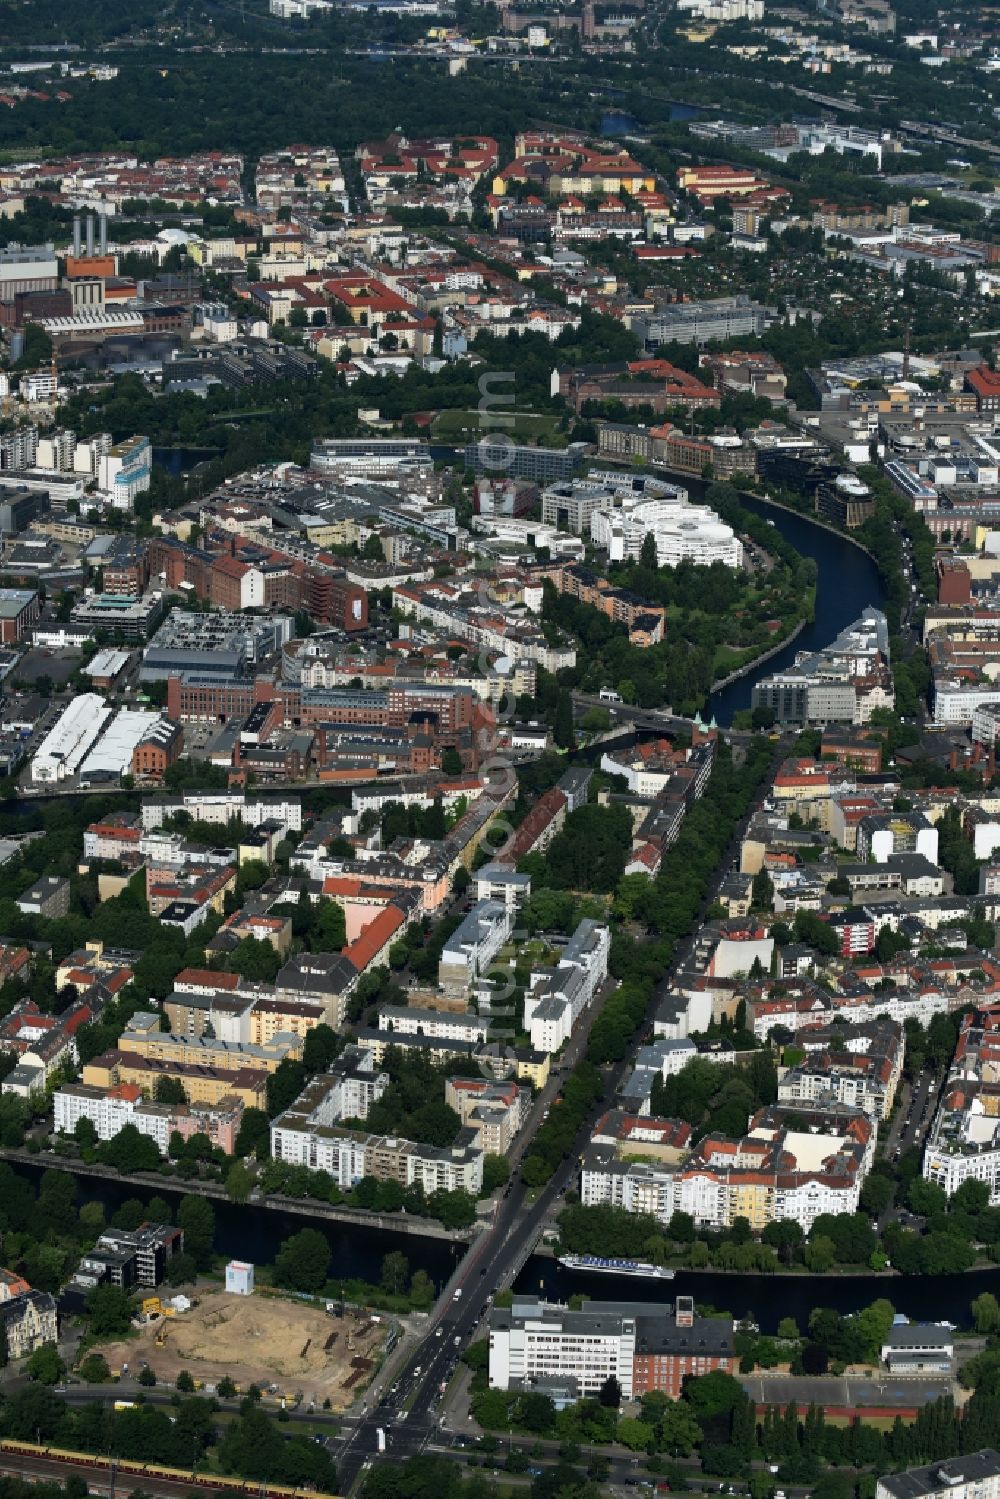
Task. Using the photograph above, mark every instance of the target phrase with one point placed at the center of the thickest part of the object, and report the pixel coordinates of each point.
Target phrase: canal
(847, 581)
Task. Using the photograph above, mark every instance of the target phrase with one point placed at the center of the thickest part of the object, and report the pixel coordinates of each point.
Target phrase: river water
(256, 1233)
(847, 581)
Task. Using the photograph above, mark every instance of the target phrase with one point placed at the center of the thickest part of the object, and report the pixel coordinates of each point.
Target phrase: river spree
(256, 1233)
(768, 1298)
(847, 581)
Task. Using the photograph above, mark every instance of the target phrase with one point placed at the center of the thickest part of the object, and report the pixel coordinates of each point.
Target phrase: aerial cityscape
(499, 717)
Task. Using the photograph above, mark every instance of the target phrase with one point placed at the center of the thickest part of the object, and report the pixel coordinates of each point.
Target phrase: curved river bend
(847, 581)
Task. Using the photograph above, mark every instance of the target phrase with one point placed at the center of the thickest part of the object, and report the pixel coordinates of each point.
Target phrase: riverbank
(749, 666)
(151, 1181)
(766, 1298)
(814, 520)
(847, 583)
(781, 1272)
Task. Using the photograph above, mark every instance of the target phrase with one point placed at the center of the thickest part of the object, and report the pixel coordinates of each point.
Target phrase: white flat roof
(107, 663)
(113, 751)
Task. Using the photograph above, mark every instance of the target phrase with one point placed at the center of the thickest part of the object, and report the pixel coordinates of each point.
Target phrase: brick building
(19, 610)
(158, 750)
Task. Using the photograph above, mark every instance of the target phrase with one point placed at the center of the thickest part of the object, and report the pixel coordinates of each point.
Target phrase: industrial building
(111, 756)
(70, 740)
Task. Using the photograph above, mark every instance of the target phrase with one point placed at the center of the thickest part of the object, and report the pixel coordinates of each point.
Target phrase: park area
(294, 1350)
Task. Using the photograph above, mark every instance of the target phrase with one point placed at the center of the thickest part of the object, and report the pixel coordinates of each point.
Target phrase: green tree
(254, 1137)
(678, 1430)
(110, 1311)
(302, 1261)
(562, 722)
(395, 1272)
(496, 1173)
(169, 1090)
(820, 1254)
(196, 1216)
(129, 1152)
(45, 1366)
(986, 1313)
(239, 1182)
(874, 1322)
(94, 1369)
(636, 1435)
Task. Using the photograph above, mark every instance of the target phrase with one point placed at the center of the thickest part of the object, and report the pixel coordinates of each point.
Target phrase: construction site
(293, 1352)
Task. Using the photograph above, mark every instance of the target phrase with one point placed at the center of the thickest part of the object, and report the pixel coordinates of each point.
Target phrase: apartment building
(556, 998)
(223, 807)
(303, 1137)
(321, 978)
(964, 1140)
(780, 1169)
(435, 1025)
(496, 882)
(202, 1084)
(975, 1475)
(29, 1321)
(145, 1039)
(793, 1163)
(110, 1112)
(857, 1066)
(494, 1110)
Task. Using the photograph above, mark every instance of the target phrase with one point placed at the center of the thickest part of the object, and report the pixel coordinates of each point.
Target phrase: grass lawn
(524, 426)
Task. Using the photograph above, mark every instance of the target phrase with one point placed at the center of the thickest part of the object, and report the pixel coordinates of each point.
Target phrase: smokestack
(90, 234)
(103, 222)
(76, 235)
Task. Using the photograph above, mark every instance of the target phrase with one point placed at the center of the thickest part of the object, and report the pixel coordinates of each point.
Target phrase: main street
(406, 1412)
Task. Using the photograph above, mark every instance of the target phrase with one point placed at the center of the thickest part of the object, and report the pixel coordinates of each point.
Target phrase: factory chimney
(90, 234)
(77, 241)
(103, 223)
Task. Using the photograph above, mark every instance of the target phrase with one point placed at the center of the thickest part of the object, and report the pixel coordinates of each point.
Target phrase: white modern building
(437, 1025)
(498, 882)
(535, 1340)
(682, 532)
(124, 472)
(70, 739)
(107, 1113)
(473, 945)
(556, 998)
(221, 807)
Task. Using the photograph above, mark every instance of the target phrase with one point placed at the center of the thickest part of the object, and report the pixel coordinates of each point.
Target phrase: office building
(644, 1346)
(702, 322)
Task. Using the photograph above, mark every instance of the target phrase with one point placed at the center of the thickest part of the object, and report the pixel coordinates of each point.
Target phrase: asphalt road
(407, 1414)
